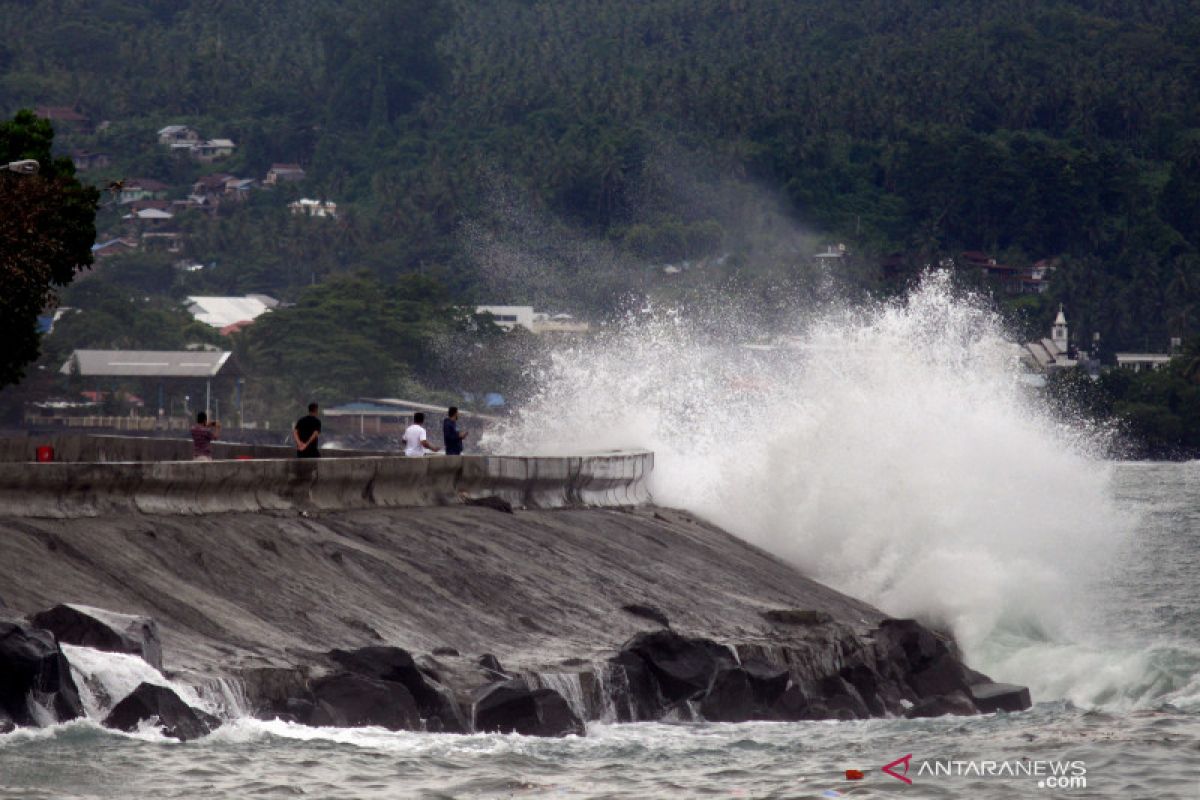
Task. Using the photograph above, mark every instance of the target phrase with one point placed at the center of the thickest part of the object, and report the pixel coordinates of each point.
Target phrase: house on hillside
(1033, 279)
(213, 150)
(179, 134)
(162, 241)
(510, 317)
(284, 173)
(85, 160)
(113, 247)
(211, 187)
(65, 118)
(149, 217)
(142, 205)
(239, 189)
(141, 189)
(313, 208)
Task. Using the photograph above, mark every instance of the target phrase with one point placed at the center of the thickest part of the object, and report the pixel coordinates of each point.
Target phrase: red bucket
(45, 454)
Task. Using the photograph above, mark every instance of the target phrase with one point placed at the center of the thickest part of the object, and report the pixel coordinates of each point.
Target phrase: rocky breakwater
(454, 619)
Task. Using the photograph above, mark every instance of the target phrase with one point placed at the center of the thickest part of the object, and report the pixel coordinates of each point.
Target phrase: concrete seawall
(87, 489)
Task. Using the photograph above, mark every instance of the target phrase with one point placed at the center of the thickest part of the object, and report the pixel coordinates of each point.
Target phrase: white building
(314, 208)
(509, 317)
(558, 323)
(221, 312)
(1050, 354)
(1143, 362)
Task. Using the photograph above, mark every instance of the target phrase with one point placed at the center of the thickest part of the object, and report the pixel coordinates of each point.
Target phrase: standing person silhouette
(452, 439)
(416, 440)
(306, 432)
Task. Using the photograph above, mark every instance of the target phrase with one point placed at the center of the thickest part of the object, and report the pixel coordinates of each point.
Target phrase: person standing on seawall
(306, 432)
(451, 438)
(416, 439)
(203, 433)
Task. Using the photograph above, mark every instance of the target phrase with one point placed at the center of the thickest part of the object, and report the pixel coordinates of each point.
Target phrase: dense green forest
(560, 152)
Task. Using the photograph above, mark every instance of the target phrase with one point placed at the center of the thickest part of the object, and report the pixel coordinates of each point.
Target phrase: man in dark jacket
(306, 433)
(450, 433)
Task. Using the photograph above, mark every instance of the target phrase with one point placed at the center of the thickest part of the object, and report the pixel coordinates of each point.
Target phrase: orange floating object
(855, 775)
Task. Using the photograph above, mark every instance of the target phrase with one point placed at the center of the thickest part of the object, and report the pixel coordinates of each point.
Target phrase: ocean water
(1139, 736)
(893, 452)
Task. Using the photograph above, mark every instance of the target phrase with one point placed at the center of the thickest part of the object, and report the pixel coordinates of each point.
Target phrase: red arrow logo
(896, 763)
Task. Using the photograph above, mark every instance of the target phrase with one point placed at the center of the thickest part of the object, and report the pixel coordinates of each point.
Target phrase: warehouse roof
(147, 363)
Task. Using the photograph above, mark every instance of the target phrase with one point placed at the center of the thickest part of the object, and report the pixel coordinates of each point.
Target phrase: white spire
(1058, 334)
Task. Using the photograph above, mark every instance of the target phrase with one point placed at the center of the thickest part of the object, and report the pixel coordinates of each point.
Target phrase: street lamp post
(26, 166)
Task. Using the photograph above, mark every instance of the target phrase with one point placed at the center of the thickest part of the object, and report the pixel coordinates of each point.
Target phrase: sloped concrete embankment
(460, 618)
(75, 489)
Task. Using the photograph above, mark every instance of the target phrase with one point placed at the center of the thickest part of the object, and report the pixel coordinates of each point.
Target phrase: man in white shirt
(416, 439)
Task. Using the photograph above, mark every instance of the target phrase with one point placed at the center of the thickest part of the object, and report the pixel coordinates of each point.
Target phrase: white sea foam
(892, 451)
(104, 679)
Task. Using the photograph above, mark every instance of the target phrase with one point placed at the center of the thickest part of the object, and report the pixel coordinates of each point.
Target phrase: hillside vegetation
(602, 139)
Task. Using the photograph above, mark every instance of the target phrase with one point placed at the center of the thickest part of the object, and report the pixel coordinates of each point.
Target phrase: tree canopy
(46, 234)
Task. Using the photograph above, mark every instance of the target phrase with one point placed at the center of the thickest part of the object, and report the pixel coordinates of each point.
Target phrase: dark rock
(445, 651)
(731, 698)
(647, 612)
(638, 697)
(767, 680)
(511, 707)
(944, 675)
(492, 664)
(991, 697)
(175, 718)
(881, 695)
(396, 665)
(791, 706)
(32, 667)
(920, 658)
(494, 503)
(104, 630)
(796, 616)
(354, 701)
(684, 668)
(840, 697)
(955, 703)
(298, 709)
(6, 723)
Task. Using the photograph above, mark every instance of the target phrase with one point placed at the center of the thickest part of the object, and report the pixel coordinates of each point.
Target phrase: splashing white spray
(891, 451)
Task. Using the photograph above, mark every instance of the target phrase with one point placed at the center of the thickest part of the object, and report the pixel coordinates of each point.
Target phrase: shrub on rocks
(34, 670)
(104, 630)
(175, 718)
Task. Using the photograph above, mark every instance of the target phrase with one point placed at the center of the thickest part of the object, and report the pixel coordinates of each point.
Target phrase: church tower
(1058, 334)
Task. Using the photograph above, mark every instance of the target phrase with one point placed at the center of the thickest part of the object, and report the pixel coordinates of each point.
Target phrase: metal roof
(402, 406)
(147, 363)
(220, 312)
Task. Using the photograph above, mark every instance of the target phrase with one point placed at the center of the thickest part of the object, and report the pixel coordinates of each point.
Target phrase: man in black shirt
(450, 435)
(306, 432)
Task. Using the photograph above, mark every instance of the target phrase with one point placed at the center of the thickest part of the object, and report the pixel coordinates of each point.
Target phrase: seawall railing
(136, 482)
